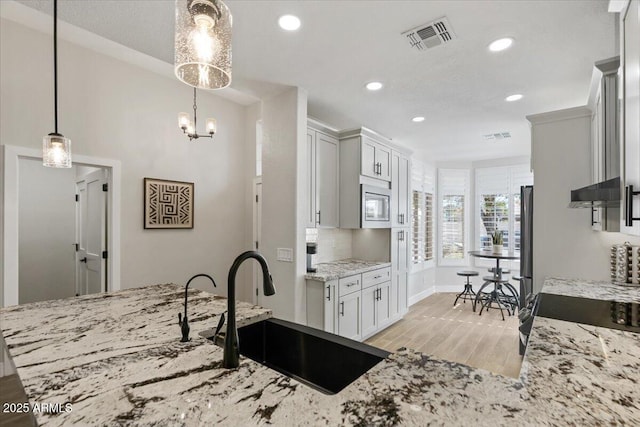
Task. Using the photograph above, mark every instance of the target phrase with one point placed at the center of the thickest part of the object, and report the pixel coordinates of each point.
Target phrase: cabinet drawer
(350, 284)
(374, 277)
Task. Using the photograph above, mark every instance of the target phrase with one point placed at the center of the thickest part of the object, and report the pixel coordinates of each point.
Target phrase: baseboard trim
(449, 288)
(421, 295)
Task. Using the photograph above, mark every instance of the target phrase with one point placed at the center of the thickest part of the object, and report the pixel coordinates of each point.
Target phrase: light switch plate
(284, 254)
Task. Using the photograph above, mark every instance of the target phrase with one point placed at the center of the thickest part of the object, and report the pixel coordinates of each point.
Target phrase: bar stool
(468, 293)
(496, 296)
(503, 270)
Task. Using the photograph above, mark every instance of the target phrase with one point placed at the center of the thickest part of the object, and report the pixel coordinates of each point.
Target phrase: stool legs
(466, 294)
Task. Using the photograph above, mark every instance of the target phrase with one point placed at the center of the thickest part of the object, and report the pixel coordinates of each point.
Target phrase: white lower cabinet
(376, 308)
(355, 307)
(349, 318)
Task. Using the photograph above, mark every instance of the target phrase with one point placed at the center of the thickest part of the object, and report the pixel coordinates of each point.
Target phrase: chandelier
(189, 127)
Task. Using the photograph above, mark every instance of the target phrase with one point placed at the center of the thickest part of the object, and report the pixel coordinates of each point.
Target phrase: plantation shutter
(452, 188)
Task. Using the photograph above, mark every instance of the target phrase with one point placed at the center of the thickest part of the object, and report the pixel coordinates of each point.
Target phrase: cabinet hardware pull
(329, 290)
(318, 215)
(375, 169)
(342, 308)
(377, 277)
(351, 284)
(628, 202)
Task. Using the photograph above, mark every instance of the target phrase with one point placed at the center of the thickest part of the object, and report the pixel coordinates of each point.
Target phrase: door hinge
(105, 254)
(105, 187)
(77, 247)
(77, 197)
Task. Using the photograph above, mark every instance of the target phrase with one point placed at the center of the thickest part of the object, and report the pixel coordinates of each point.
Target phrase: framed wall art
(167, 204)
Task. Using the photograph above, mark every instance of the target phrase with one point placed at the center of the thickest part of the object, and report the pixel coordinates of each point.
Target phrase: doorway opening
(61, 227)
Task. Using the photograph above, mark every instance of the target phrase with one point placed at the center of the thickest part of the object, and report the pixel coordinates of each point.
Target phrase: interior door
(91, 233)
(257, 235)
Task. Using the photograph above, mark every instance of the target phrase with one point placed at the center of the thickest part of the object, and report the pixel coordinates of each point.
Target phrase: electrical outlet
(284, 254)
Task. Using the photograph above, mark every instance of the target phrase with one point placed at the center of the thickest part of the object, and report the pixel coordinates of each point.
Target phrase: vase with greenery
(497, 239)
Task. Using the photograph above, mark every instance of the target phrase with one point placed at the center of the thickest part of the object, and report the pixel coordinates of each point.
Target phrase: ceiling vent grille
(430, 35)
(496, 136)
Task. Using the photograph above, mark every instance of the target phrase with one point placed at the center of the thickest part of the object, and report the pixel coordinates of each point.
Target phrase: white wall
(563, 242)
(283, 153)
(112, 109)
(46, 214)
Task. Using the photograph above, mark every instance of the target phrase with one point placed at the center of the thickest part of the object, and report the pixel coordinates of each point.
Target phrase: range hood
(604, 194)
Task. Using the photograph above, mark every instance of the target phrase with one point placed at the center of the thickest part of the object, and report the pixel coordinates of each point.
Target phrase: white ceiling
(459, 88)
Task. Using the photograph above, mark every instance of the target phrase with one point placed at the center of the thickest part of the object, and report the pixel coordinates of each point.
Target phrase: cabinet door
(330, 306)
(383, 158)
(403, 191)
(369, 302)
(631, 122)
(402, 236)
(349, 325)
(310, 185)
(368, 165)
(383, 305)
(327, 185)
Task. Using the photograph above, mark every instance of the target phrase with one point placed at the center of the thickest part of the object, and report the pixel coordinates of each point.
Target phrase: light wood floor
(434, 326)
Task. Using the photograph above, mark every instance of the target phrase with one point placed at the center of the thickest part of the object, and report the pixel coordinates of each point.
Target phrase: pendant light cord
(55, 63)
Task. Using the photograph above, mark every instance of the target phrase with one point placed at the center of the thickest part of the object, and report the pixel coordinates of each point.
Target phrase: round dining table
(497, 256)
(496, 280)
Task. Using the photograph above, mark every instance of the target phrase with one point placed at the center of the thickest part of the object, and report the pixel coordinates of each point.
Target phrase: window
(428, 226)
(417, 243)
(452, 190)
(498, 204)
(422, 221)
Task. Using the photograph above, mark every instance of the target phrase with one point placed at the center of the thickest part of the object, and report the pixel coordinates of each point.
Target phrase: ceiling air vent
(430, 35)
(496, 136)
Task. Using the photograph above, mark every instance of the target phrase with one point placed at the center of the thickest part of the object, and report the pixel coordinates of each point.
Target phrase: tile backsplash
(333, 243)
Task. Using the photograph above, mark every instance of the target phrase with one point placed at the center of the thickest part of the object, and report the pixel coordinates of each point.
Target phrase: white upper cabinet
(375, 161)
(400, 176)
(630, 58)
(322, 182)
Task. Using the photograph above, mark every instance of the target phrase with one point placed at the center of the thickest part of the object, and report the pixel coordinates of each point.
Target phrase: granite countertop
(117, 358)
(593, 289)
(343, 268)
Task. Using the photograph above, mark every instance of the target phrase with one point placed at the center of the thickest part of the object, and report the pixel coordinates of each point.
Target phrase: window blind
(452, 189)
(417, 243)
(428, 226)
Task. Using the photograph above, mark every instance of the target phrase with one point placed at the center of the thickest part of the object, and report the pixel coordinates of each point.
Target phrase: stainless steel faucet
(231, 351)
(184, 323)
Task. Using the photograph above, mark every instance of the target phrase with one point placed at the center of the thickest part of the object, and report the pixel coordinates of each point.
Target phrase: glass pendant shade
(183, 120)
(56, 151)
(203, 43)
(211, 126)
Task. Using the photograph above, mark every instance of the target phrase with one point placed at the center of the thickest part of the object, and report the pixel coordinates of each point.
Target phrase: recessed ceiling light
(500, 44)
(289, 22)
(418, 119)
(374, 86)
(514, 97)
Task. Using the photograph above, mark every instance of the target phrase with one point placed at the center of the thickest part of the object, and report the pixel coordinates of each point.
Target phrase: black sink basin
(323, 361)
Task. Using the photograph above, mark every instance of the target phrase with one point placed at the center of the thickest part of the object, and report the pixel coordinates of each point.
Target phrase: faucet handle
(220, 324)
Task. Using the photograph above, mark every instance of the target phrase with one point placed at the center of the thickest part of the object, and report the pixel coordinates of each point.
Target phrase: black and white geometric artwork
(168, 204)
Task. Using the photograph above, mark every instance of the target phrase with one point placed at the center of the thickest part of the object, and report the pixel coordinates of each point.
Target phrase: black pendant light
(56, 149)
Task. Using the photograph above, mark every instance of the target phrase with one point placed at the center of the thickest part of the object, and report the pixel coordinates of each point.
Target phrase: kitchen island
(118, 359)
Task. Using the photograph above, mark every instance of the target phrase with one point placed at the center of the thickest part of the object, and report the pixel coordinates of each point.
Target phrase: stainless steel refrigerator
(526, 243)
(526, 265)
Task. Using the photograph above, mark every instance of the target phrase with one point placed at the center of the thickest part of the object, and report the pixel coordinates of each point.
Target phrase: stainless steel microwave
(375, 207)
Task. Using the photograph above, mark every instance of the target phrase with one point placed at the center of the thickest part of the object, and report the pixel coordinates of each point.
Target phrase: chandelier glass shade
(203, 43)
